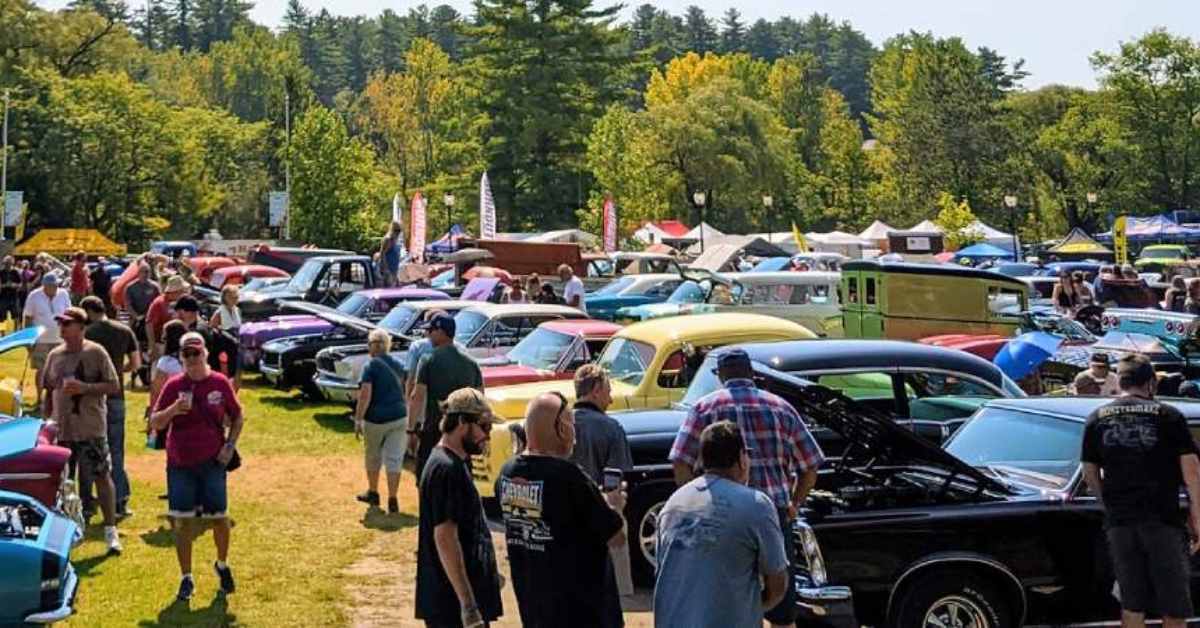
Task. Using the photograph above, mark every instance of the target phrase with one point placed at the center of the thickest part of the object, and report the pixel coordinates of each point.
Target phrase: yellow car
(650, 364)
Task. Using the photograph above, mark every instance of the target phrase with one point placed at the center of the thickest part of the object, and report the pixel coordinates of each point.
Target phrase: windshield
(687, 292)
(306, 276)
(614, 287)
(1032, 449)
(1161, 254)
(626, 360)
(467, 324)
(399, 320)
(352, 304)
(704, 382)
(541, 349)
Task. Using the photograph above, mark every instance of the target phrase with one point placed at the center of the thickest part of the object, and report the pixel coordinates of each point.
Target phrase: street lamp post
(1010, 202)
(700, 198)
(448, 199)
(769, 202)
(4, 170)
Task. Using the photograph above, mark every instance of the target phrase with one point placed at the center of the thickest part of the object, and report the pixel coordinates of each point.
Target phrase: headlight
(810, 552)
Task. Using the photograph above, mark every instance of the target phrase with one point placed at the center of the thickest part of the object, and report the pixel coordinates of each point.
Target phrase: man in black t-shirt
(558, 527)
(458, 583)
(1146, 452)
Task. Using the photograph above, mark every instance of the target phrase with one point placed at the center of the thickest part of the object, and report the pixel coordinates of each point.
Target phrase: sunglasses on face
(191, 353)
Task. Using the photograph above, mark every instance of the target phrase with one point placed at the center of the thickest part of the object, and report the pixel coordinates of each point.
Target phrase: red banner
(610, 225)
(417, 248)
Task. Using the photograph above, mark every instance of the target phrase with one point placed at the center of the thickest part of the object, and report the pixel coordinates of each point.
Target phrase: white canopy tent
(847, 244)
(708, 230)
(991, 235)
(878, 230)
(927, 226)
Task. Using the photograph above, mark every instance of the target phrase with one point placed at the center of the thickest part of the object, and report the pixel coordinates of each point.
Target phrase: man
(391, 250)
(445, 370)
(41, 308)
(161, 310)
(78, 377)
(556, 523)
(10, 290)
(781, 448)
(418, 350)
(1098, 293)
(197, 405)
(81, 286)
(1085, 385)
(1192, 305)
(1099, 371)
(1146, 452)
(101, 282)
(122, 348)
(600, 440)
(140, 293)
(573, 292)
(458, 583)
(717, 539)
(187, 310)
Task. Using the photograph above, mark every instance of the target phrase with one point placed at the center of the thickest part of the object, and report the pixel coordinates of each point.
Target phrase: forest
(174, 117)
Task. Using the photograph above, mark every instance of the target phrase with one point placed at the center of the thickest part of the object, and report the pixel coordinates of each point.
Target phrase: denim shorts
(197, 491)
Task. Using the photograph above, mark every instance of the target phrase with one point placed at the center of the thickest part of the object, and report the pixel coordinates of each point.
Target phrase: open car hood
(872, 438)
(329, 314)
(23, 338)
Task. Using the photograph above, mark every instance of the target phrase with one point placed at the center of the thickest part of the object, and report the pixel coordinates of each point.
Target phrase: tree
(761, 41)
(956, 220)
(114, 10)
(699, 34)
(393, 42)
(445, 25)
(215, 20)
(184, 20)
(733, 32)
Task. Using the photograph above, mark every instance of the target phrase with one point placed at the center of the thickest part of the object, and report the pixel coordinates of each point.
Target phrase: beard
(472, 447)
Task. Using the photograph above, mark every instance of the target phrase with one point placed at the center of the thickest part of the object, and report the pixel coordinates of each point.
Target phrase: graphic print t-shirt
(557, 526)
(1138, 442)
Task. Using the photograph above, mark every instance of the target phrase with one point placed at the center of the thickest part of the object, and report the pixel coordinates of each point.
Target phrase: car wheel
(957, 598)
(312, 392)
(642, 518)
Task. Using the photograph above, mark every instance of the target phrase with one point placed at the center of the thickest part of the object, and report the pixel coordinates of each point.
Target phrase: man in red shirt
(162, 309)
(81, 286)
(195, 407)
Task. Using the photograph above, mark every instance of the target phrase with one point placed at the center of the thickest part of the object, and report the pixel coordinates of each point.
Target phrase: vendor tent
(927, 226)
(878, 231)
(65, 242)
(447, 243)
(982, 251)
(723, 253)
(1079, 245)
(1154, 229)
(847, 244)
(991, 235)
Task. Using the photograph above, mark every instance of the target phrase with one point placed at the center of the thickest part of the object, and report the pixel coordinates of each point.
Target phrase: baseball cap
(191, 339)
(187, 303)
(72, 315)
(50, 279)
(729, 358)
(469, 401)
(444, 322)
(1100, 357)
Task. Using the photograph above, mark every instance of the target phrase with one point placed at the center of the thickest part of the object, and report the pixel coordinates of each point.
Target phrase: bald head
(549, 426)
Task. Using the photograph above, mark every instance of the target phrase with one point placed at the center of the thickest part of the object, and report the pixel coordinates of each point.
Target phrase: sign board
(277, 209)
(919, 243)
(12, 208)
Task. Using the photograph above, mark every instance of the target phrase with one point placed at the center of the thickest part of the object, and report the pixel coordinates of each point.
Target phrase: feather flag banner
(487, 210)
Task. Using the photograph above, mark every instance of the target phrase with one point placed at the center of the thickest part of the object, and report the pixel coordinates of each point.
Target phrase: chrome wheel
(955, 611)
(648, 533)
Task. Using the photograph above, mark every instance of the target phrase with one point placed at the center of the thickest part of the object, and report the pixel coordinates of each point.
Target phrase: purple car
(371, 305)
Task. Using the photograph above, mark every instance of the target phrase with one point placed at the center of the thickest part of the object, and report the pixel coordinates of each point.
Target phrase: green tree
(733, 32)
(956, 219)
(699, 34)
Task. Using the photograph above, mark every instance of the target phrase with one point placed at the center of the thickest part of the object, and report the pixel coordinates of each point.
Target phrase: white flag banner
(277, 208)
(417, 247)
(487, 210)
(610, 225)
(12, 208)
(397, 209)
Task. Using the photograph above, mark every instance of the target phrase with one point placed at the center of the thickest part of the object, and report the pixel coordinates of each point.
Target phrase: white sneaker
(112, 539)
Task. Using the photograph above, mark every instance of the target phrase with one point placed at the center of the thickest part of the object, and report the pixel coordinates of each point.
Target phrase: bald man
(557, 521)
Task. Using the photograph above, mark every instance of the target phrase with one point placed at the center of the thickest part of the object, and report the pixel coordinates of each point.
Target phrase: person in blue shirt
(381, 419)
(391, 250)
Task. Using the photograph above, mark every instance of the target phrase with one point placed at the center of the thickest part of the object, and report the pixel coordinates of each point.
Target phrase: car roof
(831, 354)
(928, 269)
(1078, 408)
(721, 327)
(436, 304)
(333, 258)
(787, 277)
(492, 310)
(586, 327)
(376, 293)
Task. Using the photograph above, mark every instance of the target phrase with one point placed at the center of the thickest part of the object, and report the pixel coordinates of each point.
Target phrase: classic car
(630, 291)
(339, 368)
(1168, 339)
(809, 298)
(31, 463)
(631, 263)
(491, 329)
(1159, 257)
(370, 305)
(322, 280)
(289, 259)
(37, 581)
(239, 275)
(650, 365)
(831, 262)
(930, 389)
(205, 266)
(11, 389)
(553, 351)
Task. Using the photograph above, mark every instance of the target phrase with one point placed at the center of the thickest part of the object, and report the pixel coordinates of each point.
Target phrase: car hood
(871, 436)
(508, 402)
(18, 436)
(643, 422)
(24, 338)
(329, 315)
(654, 310)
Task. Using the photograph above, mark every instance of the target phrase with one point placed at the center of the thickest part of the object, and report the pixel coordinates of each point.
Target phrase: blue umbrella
(1023, 354)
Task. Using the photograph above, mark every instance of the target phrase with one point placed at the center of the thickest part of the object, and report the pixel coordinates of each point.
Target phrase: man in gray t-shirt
(719, 542)
(600, 441)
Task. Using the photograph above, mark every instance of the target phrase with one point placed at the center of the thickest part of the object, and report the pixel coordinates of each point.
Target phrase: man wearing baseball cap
(162, 309)
(41, 306)
(458, 583)
(1103, 380)
(78, 377)
(194, 407)
(446, 369)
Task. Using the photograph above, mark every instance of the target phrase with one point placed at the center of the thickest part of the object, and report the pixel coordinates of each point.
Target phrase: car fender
(1007, 579)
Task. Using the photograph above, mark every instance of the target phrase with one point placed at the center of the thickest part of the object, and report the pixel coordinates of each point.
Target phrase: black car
(931, 389)
(324, 280)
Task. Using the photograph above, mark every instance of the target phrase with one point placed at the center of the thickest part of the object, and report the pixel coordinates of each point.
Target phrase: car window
(1004, 301)
(354, 276)
(626, 360)
(926, 384)
(467, 324)
(352, 304)
(870, 288)
(506, 331)
(1042, 445)
(770, 294)
(594, 347)
(858, 386)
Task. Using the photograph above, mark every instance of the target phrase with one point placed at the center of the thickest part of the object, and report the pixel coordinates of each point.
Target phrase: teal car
(631, 291)
(37, 582)
(689, 292)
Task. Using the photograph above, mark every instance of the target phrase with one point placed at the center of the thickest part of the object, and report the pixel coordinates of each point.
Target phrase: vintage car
(808, 298)
(289, 259)
(241, 274)
(369, 305)
(831, 262)
(1168, 339)
(553, 351)
(902, 301)
(11, 388)
(941, 388)
(322, 280)
(37, 581)
(205, 266)
(492, 329)
(631, 291)
(630, 263)
(31, 463)
(339, 367)
(1160, 257)
(650, 365)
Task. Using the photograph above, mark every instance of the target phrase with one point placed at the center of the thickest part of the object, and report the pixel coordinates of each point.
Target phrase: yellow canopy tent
(64, 243)
(1079, 244)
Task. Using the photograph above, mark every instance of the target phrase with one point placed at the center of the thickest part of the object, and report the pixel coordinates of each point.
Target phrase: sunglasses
(191, 353)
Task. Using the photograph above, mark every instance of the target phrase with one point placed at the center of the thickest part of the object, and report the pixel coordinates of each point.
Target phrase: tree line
(169, 118)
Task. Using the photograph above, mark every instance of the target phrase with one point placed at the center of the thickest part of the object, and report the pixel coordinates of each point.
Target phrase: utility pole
(4, 168)
(287, 164)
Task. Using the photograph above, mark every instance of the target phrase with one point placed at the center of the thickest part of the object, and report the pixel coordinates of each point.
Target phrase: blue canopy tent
(1154, 229)
(446, 244)
(977, 253)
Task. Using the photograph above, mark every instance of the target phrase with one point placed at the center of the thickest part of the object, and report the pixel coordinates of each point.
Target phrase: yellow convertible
(650, 364)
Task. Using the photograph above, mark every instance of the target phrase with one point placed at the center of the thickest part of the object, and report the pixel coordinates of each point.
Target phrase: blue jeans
(116, 449)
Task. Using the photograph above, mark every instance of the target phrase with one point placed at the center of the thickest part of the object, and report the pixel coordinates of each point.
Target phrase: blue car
(37, 581)
(631, 291)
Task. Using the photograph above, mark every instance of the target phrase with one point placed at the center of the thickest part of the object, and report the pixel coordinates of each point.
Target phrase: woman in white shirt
(165, 368)
(225, 323)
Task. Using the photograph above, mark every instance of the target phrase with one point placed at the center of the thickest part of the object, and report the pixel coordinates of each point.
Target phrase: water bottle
(151, 438)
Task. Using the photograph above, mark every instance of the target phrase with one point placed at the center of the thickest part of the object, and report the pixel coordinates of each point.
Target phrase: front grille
(327, 363)
(271, 359)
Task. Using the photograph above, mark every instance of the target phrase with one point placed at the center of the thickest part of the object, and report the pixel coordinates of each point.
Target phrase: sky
(1055, 37)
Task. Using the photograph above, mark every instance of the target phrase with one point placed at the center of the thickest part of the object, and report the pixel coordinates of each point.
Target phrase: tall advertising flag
(801, 243)
(610, 225)
(417, 244)
(397, 209)
(487, 210)
(1120, 241)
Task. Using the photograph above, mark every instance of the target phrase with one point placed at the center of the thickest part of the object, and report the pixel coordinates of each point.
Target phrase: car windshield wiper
(1004, 472)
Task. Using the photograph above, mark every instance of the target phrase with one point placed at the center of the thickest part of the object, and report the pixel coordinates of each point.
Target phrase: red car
(552, 351)
(32, 464)
(242, 273)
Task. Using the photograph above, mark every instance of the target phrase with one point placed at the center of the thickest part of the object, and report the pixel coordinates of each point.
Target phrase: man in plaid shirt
(784, 457)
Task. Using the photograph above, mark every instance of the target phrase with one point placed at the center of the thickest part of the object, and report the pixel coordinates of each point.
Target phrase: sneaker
(393, 506)
(124, 512)
(186, 588)
(113, 539)
(369, 497)
(226, 576)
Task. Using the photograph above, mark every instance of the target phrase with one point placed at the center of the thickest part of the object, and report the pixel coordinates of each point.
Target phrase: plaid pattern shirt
(779, 443)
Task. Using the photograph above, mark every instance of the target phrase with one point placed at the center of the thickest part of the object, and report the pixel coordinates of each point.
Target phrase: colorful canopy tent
(1079, 245)
(65, 242)
(977, 253)
(447, 243)
(1154, 229)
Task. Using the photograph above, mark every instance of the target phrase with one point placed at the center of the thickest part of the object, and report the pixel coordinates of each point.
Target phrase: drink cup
(185, 398)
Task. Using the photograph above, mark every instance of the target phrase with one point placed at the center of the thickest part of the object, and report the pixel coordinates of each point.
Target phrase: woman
(167, 366)
(1176, 296)
(381, 420)
(1082, 289)
(533, 287)
(516, 294)
(225, 323)
(547, 296)
(1192, 305)
(1064, 296)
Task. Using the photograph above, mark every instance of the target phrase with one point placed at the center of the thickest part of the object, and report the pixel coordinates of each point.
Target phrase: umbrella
(1023, 354)
(944, 256)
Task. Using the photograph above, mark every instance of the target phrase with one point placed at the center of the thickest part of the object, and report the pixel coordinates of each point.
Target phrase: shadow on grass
(337, 421)
(84, 567)
(161, 537)
(285, 400)
(179, 613)
(377, 519)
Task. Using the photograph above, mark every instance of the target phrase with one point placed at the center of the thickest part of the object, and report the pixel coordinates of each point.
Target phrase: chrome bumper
(70, 588)
(270, 373)
(336, 388)
(827, 606)
(70, 505)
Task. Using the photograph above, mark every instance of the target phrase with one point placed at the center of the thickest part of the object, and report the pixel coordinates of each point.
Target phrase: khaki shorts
(385, 444)
(40, 351)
